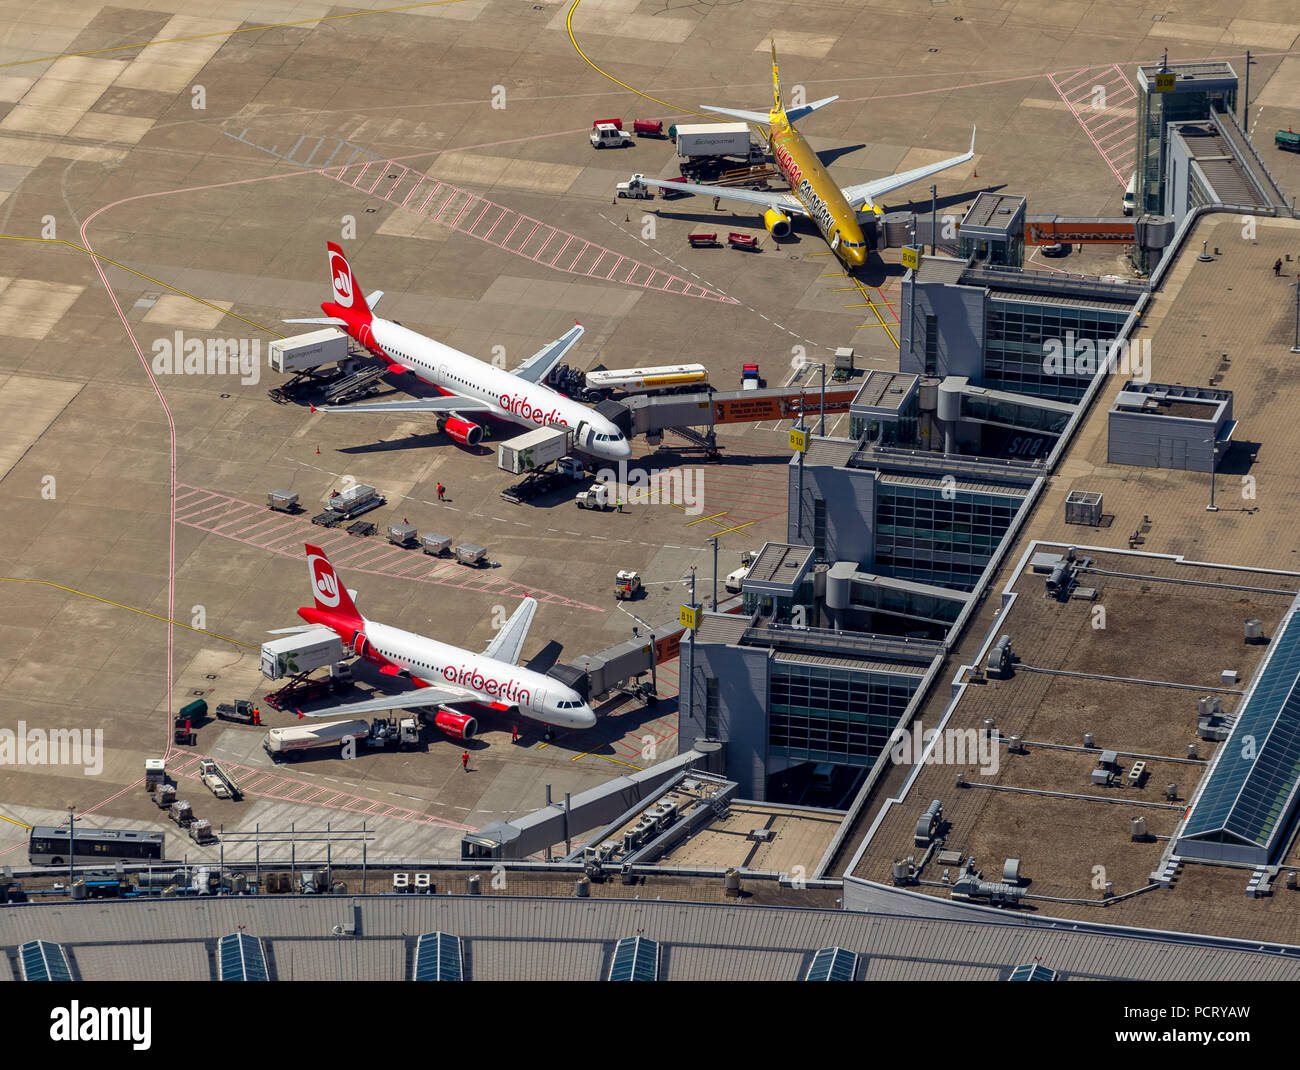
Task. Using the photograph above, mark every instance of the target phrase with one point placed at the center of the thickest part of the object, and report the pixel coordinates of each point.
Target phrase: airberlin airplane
(468, 384)
(445, 676)
(813, 193)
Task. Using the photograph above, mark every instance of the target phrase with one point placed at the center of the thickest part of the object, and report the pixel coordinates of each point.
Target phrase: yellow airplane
(813, 194)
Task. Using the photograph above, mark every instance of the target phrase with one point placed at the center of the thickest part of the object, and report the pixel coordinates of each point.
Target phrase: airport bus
(48, 846)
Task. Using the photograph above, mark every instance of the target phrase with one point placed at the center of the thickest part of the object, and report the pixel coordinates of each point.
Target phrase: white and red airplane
(468, 384)
(445, 676)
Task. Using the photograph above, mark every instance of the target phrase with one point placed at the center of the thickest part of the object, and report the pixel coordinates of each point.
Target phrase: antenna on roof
(1164, 61)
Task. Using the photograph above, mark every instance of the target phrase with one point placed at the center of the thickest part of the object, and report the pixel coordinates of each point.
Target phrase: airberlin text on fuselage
(506, 689)
(519, 406)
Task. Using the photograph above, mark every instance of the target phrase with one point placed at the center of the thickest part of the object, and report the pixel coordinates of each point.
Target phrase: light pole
(1295, 345)
(1214, 453)
(72, 844)
(714, 539)
(934, 217)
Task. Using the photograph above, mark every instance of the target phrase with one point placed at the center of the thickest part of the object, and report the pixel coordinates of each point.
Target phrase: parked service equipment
(155, 773)
(289, 744)
(303, 352)
(534, 449)
(843, 364)
(711, 139)
(437, 545)
(201, 831)
(402, 535)
(469, 554)
(354, 500)
(648, 127)
(214, 783)
(283, 501)
(635, 189)
(1288, 140)
(302, 652)
(605, 135)
(665, 379)
(626, 585)
(182, 813)
(594, 497)
(390, 732)
(183, 732)
(743, 241)
(704, 241)
(241, 711)
(164, 795)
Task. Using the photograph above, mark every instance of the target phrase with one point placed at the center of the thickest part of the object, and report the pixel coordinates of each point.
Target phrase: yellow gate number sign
(689, 617)
(911, 259)
(798, 440)
(1165, 83)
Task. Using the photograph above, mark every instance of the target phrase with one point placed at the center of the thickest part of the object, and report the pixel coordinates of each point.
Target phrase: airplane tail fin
(348, 301)
(778, 105)
(327, 588)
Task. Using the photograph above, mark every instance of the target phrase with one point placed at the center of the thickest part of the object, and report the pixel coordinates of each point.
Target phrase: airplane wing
(865, 192)
(407, 700)
(508, 643)
(782, 202)
(449, 404)
(539, 365)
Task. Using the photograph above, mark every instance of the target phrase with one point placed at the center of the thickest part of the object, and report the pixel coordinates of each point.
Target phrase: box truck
(712, 139)
(302, 652)
(304, 352)
(535, 449)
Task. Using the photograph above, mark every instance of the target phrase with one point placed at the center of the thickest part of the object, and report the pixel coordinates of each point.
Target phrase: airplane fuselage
(493, 683)
(820, 195)
(511, 398)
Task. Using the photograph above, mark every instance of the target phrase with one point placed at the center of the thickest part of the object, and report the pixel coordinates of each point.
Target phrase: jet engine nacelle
(777, 223)
(466, 432)
(456, 725)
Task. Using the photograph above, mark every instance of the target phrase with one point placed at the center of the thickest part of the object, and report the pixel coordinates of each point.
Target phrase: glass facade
(946, 541)
(1016, 337)
(1154, 111)
(827, 713)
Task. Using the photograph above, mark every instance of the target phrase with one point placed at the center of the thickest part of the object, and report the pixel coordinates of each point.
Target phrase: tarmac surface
(166, 172)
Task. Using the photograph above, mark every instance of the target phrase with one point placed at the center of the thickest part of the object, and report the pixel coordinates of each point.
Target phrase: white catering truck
(304, 352)
(302, 652)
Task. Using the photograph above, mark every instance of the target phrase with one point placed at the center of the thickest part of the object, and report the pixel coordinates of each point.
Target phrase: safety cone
(627, 218)
(317, 451)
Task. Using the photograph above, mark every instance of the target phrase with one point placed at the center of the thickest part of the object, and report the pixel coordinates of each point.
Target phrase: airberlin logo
(506, 689)
(342, 280)
(792, 170)
(324, 582)
(521, 407)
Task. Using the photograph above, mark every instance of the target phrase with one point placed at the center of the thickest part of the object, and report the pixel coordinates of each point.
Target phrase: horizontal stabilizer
(793, 115)
(760, 117)
(373, 297)
(326, 321)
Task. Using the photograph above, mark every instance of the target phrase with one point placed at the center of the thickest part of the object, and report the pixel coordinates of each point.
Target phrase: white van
(1130, 194)
(734, 579)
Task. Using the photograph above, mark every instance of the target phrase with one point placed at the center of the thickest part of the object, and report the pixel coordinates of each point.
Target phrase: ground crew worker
(514, 733)
(441, 491)
(257, 716)
(464, 761)
(619, 503)
(1277, 266)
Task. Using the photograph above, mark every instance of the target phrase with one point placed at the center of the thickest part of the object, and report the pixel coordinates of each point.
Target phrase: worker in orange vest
(464, 761)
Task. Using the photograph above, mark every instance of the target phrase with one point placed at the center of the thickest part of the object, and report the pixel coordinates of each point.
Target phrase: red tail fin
(349, 302)
(326, 587)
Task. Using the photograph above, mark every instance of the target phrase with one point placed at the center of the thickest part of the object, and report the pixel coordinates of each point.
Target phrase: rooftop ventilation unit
(927, 825)
(1000, 658)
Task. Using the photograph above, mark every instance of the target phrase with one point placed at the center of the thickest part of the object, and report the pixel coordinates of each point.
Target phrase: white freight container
(713, 139)
(303, 352)
(349, 498)
(535, 449)
(282, 742)
(301, 652)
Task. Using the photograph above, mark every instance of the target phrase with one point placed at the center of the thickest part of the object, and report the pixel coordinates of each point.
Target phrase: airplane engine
(466, 432)
(777, 223)
(456, 725)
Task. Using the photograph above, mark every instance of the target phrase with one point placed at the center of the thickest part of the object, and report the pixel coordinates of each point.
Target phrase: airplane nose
(584, 718)
(855, 257)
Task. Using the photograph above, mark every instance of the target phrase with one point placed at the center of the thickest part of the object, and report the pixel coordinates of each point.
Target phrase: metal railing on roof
(854, 644)
(1049, 282)
(872, 456)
